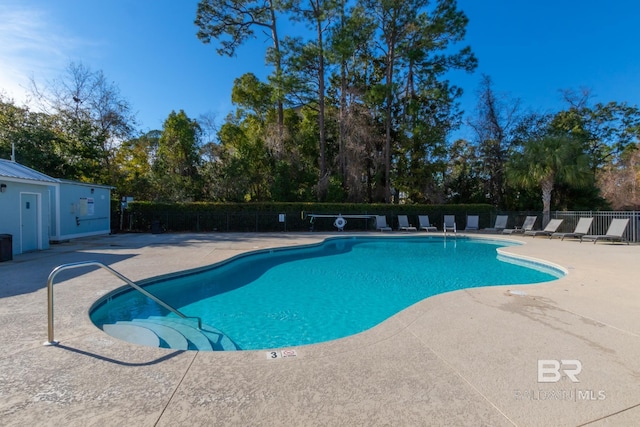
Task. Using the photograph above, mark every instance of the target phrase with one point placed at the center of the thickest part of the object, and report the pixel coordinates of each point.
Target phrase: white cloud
(31, 46)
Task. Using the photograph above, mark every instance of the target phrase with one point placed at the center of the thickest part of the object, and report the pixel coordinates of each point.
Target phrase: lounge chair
(472, 223)
(528, 224)
(551, 228)
(582, 228)
(424, 224)
(501, 224)
(614, 232)
(403, 224)
(449, 223)
(381, 223)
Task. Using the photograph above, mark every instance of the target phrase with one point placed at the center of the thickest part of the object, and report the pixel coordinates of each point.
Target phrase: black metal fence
(260, 221)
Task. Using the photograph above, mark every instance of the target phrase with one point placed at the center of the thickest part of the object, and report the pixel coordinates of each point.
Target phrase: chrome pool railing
(138, 288)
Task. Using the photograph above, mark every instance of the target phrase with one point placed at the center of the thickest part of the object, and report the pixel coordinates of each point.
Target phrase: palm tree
(546, 161)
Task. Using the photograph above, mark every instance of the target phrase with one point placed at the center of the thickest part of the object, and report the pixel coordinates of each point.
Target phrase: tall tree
(494, 123)
(394, 19)
(252, 97)
(134, 160)
(33, 138)
(605, 130)
(244, 169)
(177, 160)
(546, 162)
(311, 58)
(232, 22)
(415, 43)
(93, 117)
(620, 181)
(463, 181)
(351, 50)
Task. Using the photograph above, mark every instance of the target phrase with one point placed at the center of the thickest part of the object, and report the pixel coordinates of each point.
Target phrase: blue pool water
(296, 296)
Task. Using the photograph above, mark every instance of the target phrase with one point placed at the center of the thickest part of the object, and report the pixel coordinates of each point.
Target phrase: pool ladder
(138, 288)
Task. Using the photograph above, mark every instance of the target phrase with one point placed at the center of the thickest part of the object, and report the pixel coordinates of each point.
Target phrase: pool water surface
(297, 296)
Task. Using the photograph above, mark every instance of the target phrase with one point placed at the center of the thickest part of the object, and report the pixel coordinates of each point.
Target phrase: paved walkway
(462, 358)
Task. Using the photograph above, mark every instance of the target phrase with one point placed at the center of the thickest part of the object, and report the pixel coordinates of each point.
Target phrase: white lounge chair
(551, 228)
(614, 232)
(424, 224)
(449, 223)
(501, 224)
(528, 224)
(582, 228)
(403, 224)
(472, 223)
(381, 223)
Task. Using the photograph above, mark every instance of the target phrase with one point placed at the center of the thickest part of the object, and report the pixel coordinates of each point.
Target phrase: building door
(29, 222)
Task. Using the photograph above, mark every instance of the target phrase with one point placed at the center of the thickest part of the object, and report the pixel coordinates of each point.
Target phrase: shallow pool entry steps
(179, 334)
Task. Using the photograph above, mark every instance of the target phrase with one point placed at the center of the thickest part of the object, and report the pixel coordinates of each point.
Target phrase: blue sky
(149, 49)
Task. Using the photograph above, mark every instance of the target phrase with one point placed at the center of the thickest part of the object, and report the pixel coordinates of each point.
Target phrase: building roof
(85, 184)
(9, 169)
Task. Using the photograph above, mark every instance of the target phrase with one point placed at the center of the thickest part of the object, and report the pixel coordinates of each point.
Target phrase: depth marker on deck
(279, 354)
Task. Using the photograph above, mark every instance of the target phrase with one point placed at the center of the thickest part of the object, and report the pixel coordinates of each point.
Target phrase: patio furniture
(449, 224)
(527, 225)
(403, 224)
(614, 232)
(582, 228)
(424, 224)
(500, 224)
(551, 228)
(472, 223)
(381, 223)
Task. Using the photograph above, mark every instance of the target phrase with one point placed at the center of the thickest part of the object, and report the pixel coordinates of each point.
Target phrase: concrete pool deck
(463, 358)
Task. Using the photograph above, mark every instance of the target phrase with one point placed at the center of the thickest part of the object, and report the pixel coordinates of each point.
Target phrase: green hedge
(264, 217)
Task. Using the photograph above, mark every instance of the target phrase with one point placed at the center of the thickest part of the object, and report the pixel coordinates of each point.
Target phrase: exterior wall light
(3, 188)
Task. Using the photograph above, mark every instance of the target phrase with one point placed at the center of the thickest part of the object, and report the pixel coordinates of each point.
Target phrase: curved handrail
(138, 288)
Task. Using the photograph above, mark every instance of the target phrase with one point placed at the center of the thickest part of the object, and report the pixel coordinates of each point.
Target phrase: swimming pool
(305, 295)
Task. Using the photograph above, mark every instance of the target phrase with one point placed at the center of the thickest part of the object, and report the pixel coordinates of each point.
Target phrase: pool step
(132, 333)
(173, 338)
(180, 334)
(198, 340)
(217, 339)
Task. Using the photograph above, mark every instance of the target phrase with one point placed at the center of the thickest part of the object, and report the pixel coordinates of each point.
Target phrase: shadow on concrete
(29, 272)
(120, 362)
(19, 278)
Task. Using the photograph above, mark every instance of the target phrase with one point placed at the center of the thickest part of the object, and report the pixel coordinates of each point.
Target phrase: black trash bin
(6, 247)
(156, 227)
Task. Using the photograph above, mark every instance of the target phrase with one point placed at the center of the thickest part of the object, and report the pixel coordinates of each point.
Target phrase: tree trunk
(389, 111)
(278, 66)
(322, 195)
(342, 137)
(547, 188)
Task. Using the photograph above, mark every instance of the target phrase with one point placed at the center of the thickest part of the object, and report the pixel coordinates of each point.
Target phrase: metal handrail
(138, 288)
